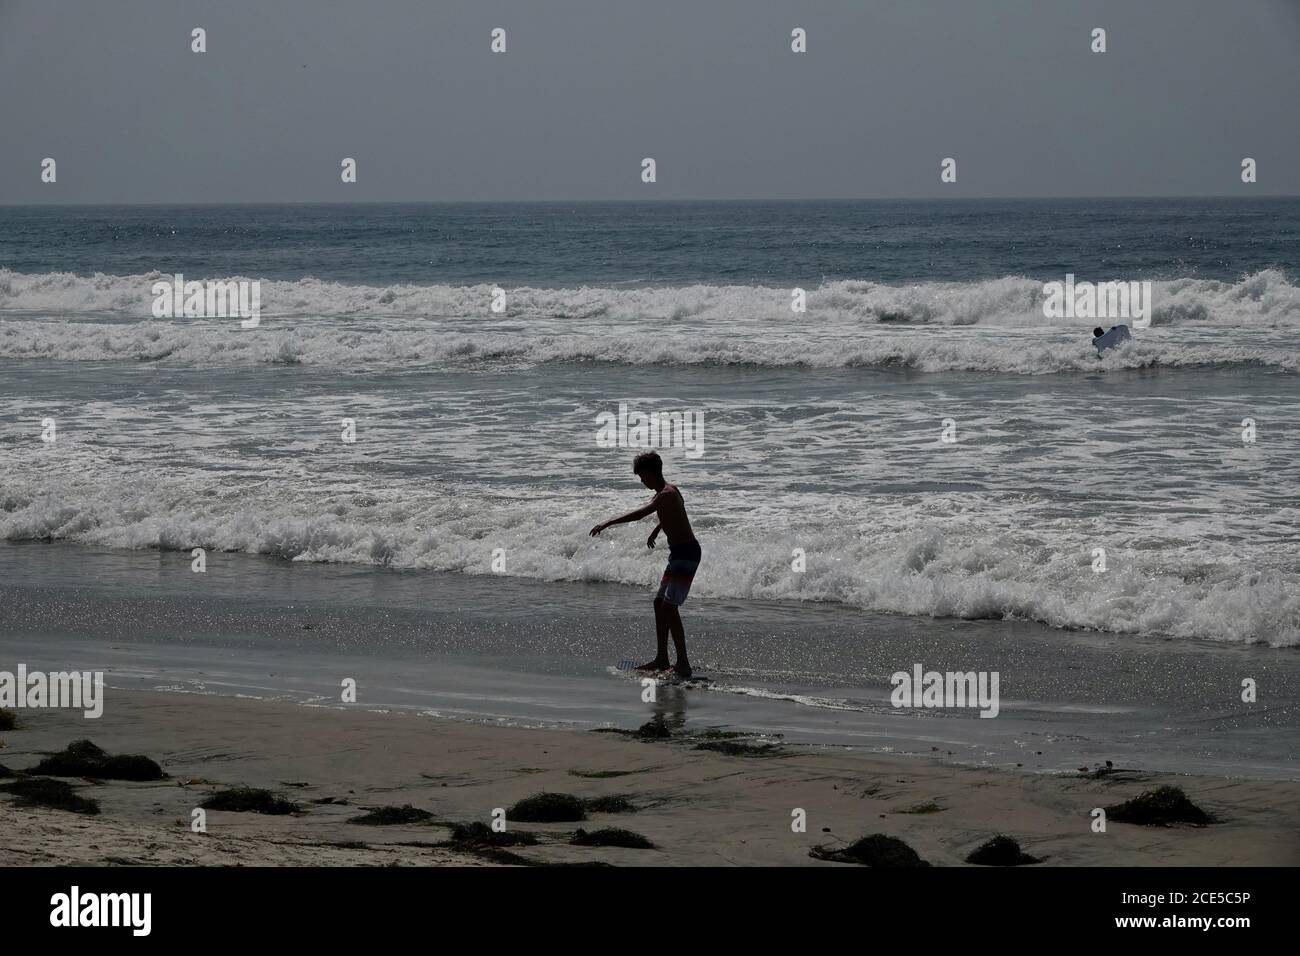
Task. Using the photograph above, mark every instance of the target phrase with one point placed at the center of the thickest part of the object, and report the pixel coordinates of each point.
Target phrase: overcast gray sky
(587, 88)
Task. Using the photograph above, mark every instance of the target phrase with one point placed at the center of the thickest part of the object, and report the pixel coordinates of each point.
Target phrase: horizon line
(709, 199)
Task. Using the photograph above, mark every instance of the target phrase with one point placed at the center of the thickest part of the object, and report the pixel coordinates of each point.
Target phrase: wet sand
(698, 806)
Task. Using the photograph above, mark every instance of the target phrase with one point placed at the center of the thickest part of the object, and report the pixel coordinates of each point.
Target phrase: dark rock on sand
(1160, 807)
(612, 836)
(548, 808)
(249, 800)
(83, 759)
(481, 840)
(43, 792)
(392, 816)
(875, 850)
(1000, 851)
(469, 836)
(654, 730)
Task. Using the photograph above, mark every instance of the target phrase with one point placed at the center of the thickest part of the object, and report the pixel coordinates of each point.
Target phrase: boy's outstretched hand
(598, 529)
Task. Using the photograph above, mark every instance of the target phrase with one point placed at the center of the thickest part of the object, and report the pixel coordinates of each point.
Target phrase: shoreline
(730, 803)
(476, 648)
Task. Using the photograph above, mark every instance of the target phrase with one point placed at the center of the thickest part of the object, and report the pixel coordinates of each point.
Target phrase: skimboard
(1111, 339)
(627, 668)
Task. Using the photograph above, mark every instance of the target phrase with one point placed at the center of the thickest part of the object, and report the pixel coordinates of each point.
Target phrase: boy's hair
(648, 463)
(1097, 333)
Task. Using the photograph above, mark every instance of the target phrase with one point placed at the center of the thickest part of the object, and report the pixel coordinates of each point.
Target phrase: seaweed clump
(1000, 851)
(43, 792)
(612, 836)
(1160, 807)
(249, 800)
(548, 808)
(392, 816)
(83, 759)
(875, 850)
(474, 836)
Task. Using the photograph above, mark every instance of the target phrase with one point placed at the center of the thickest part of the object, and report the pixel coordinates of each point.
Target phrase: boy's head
(649, 467)
(1097, 332)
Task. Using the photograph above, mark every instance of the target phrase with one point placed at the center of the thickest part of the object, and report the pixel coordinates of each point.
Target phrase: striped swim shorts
(683, 559)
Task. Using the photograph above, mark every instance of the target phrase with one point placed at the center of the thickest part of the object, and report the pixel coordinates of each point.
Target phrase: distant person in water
(683, 558)
(1116, 335)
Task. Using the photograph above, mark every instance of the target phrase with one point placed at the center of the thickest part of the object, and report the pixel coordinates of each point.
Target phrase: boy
(683, 559)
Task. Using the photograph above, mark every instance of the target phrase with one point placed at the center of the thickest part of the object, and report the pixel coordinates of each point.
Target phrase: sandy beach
(546, 460)
(697, 806)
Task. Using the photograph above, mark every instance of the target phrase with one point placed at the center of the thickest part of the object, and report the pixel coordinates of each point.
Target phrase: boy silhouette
(683, 558)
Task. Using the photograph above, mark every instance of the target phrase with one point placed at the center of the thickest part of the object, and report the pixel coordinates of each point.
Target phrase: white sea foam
(949, 555)
(77, 341)
(849, 323)
(1190, 556)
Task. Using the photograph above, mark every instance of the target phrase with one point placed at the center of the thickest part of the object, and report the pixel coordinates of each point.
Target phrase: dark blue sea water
(558, 244)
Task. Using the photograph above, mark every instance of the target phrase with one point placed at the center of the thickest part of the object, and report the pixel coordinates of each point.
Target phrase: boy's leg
(661, 637)
(683, 665)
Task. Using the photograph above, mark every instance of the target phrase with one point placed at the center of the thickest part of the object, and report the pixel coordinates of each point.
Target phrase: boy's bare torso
(671, 511)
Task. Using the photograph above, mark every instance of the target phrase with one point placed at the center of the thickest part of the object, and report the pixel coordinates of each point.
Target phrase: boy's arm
(650, 541)
(630, 516)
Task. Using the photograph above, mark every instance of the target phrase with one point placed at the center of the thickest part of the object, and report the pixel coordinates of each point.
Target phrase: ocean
(921, 450)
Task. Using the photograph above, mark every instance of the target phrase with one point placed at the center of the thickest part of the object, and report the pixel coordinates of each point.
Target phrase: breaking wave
(903, 560)
(993, 325)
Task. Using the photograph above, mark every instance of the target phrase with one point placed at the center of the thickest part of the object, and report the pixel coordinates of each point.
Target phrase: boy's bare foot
(682, 670)
(654, 665)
